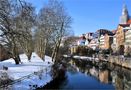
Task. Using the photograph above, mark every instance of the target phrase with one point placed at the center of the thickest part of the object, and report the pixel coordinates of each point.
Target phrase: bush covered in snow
(4, 78)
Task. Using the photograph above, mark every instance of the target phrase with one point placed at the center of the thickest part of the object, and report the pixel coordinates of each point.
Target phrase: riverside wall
(122, 61)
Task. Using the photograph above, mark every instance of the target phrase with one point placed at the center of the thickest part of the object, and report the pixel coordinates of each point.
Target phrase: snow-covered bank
(85, 58)
(28, 75)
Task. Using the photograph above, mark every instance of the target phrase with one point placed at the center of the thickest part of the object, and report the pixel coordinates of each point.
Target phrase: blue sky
(91, 15)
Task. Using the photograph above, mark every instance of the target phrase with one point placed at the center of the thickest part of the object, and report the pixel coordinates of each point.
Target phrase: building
(105, 41)
(94, 44)
(124, 18)
(122, 28)
(120, 34)
(108, 41)
(113, 46)
(82, 40)
(128, 39)
(102, 32)
(89, 36)
(102, 42)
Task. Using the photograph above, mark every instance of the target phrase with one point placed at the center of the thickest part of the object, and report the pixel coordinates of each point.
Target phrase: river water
(84, 75)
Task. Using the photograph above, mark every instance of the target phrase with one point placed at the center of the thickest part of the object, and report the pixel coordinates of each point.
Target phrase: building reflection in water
(120, 77)
(103, 76)
(94, 72)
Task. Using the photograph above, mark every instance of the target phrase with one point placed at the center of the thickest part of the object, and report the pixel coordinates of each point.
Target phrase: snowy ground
(82, 57)
(28, 75)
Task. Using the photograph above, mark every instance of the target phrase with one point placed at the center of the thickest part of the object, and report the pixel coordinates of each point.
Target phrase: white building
(114, 44)
(102, 41)
(86, 42)
(93, 44)
(128, 37)
(89, 36)
(81, 42)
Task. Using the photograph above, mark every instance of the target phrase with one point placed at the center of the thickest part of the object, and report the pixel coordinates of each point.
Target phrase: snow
(67, 56)
(33, 72)
(85, 58)
(76, 57)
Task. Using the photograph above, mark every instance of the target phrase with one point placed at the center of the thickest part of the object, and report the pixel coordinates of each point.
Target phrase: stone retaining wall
(125, 62)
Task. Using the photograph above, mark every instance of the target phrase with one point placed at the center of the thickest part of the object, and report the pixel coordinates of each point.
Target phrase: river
(82, 75)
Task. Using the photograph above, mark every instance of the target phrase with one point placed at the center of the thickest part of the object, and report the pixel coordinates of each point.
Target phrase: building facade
(128, 38)
(102, 42)
(102, 32)
(114, 45)
(120, 34)
(94, 43)
(108, 41)
(89, 36)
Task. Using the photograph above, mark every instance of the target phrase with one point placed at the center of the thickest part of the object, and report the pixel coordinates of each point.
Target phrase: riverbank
(26, 76)
(118, 60)
(85, 76)
(122, 61)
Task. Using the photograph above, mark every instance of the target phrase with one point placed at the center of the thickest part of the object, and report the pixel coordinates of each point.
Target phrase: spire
(124, 18)
(124, 10)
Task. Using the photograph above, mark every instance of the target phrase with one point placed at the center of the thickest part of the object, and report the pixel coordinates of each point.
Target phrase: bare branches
(16, 21)
(53, 24)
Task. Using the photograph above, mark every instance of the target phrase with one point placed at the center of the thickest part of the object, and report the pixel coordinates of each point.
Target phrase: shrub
(4, 78)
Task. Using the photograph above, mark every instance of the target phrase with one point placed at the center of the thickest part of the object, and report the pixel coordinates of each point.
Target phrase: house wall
(107, 41)
(102, 42)
(128, 41)
(128, 38)
(120, 37)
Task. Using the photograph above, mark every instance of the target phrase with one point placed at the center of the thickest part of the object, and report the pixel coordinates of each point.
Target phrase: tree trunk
(29, 55)
(53, 53)
(56, 51)
(44, 52)
(15, 53)
(17, 59)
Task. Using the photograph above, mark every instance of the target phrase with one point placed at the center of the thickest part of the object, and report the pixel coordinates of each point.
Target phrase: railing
(25, 77)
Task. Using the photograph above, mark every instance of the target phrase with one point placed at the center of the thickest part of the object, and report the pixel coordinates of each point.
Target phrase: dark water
(83, 75)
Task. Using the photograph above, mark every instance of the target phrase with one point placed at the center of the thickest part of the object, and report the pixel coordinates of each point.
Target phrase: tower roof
(125, 16)
(124, 10)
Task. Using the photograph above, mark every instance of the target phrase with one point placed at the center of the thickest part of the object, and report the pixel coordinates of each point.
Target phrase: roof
(114, 31)
(124, 25)
(129, 21)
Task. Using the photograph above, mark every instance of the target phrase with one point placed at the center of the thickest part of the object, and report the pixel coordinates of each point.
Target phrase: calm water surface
(83, 75)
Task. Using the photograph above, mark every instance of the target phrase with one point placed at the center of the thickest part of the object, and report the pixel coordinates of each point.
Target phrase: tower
(124, 18)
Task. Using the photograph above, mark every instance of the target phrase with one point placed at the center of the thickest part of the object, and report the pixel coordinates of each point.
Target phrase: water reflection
(112, 74)
(104, 76)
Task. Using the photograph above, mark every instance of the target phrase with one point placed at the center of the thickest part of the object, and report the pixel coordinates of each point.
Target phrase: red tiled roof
(114, 31)
(129, 21)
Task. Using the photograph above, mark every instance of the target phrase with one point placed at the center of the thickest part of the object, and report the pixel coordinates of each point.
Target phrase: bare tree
(62, 22)
(11, 26)
(53, 24)
(25, 22)
(7, 27)
(44, 30)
